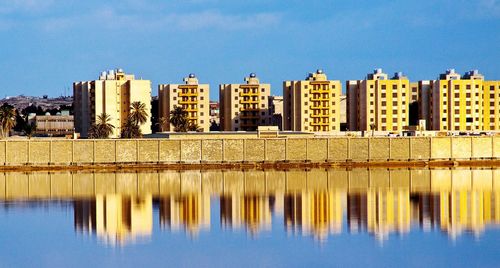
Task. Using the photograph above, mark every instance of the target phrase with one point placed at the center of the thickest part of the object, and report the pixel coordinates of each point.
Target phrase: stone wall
(316, 150)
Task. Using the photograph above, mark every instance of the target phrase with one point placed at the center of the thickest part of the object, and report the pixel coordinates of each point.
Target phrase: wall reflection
(119, 208)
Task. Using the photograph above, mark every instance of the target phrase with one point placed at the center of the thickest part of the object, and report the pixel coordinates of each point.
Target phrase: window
(305, 103)
(263, 90)
(305, 95)
(236, 114)
(457, 103)
(306, 119)
(175, 98)
(201, 121)
(457, 87)
(201, 113)
(383, 95)
(263, 113)
(384, 120)
(457, 120)
(384, 103)
(201, 90)
(236, 106)
(201, 98)
(306, 111)
(394, 87)
(236, 98)
(467, 87)
(236, 121)
(371, 86)
(394, 95)
(201, 106)
(383, 86)
(469, 120)
(175, 90)
(263, 106)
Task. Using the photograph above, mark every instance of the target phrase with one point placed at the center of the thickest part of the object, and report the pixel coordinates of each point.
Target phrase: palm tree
(162, 122)
(179, 119)
(104, 128)
(131, 130)
(372, 128)
(193, 127)
(7, 119)
(138, 112)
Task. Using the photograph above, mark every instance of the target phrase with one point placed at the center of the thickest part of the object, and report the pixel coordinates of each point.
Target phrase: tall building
(312, 105)
(467, 103)
(276, 111)
(378, 103)
(112, 93)
(244, 106)
(193, 97)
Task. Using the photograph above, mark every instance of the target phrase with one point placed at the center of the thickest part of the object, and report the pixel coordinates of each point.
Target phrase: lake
(248, 218)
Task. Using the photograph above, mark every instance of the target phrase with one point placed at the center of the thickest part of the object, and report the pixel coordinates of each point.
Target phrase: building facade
(276, 111)
(378, 103)
(244, 107)
(54, 125)
(192, 96)
(312, 105)
(112, 93)
(464, 103)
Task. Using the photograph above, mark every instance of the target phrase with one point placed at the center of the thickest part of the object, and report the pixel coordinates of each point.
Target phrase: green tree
(131, 130)
(179, 119)
(104, 128)
(138, 113)
(7, 119)
(29, 129)
(162, 123)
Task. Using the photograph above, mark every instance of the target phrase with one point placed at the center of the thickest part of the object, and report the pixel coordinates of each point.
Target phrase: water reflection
(119, 208)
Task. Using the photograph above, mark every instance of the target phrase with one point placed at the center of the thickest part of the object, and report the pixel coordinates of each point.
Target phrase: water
(251, 218)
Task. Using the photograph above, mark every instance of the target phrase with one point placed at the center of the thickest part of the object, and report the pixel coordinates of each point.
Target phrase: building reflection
(454, 201)
(189, 212)
(249, 211)
(314, 213)
(459, 211)
(115, 219)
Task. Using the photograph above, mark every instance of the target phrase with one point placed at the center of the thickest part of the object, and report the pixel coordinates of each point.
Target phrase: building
(312, 105)
(54, 125)
(244, 106)
(276, 111)
(191, 96)
(112, 93)
(378, 103)
(214, 112)
(467, 103)
(251, 211)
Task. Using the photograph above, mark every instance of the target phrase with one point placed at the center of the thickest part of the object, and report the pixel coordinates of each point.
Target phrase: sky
(46, 45)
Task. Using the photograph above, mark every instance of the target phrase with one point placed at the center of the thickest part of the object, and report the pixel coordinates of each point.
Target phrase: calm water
(292, 218)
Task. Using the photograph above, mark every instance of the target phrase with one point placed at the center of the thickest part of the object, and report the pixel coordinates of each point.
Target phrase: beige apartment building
(276, 111)
(112, 94)
(244, 107)
(192, 96)
(467, 103)
(378, 103)
(312, 105)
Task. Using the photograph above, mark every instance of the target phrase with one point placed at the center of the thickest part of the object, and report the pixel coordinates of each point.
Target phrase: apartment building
(276, 111)
(112, 94)
(464, 103)
(244, 107)
(313, 104)
(378, 103)
(192, 96)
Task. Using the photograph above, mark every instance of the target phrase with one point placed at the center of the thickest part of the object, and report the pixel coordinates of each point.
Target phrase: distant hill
(20, 102)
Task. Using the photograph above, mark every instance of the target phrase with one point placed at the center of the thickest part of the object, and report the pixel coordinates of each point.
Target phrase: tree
(372, 128)
(7, 119)
(29, 129)
(179, 119)
(131, 130)
(162, 123)
(104, 128)
(138, 112)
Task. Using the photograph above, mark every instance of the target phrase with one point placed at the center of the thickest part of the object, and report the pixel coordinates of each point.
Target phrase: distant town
(119, 105)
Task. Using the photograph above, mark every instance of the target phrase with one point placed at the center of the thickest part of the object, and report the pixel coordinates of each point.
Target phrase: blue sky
(47, 44)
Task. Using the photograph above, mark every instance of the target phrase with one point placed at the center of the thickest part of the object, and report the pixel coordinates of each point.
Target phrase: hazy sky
(45, 45)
